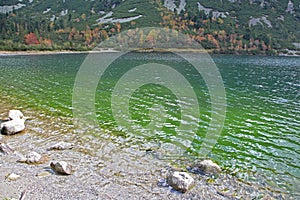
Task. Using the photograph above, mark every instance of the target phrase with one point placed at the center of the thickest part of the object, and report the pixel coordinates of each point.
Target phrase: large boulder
(180, 181)
(206, 167)
(15, 114)
(12, 127)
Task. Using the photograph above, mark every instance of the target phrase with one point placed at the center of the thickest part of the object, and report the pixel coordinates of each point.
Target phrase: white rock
(12, 177)
(12, 127)
(61, 167)
(15, 114)
(180, 181)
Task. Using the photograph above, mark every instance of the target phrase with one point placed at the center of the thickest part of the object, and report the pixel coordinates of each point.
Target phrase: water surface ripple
(261, 136)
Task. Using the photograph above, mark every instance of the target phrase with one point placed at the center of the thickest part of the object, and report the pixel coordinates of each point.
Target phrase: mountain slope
(223, 25)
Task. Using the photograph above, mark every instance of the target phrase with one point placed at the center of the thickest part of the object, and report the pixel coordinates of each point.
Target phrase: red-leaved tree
(31, 39)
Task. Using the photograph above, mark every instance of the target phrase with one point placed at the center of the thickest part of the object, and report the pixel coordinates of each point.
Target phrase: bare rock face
(61, 167)
(207, 167)
(15, 114)
(33, 158)
(180, 181)
(61, 146)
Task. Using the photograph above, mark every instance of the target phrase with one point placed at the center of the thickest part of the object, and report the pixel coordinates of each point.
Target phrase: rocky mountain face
(220, 24)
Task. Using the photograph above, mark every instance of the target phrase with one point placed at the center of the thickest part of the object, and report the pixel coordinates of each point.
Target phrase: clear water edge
(260, 139)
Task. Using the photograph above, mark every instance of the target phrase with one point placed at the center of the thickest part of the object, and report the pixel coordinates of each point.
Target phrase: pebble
(43, 174)
(12, 177)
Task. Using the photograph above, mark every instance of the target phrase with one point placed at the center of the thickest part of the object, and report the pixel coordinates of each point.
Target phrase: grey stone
(61, 146)
(33, 158)
(5, 148)
(180, 181)
(206, 167)
(62, 167)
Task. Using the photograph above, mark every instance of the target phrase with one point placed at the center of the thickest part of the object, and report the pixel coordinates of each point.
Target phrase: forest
(22, 30)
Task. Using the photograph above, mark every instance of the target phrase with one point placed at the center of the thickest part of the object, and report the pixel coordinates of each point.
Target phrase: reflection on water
(260, 138)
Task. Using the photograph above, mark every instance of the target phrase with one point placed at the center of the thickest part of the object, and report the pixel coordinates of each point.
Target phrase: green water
(261, 135)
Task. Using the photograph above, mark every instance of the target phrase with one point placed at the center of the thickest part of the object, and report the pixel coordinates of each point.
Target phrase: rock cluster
(15, 123)
(183, 182)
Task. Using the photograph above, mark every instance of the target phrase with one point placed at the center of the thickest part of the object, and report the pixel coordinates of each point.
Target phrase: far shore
(111, 50)
(50, 52)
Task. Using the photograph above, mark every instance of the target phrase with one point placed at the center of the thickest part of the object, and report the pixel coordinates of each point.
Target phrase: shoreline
(53, 52)
(109, 50)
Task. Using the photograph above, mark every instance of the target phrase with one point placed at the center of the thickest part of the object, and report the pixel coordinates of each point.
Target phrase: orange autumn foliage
(31, 39)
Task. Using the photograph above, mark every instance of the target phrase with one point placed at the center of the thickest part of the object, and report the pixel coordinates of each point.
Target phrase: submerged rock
(5, 148)
(180, 181)
(207, 167)
(15, 114)
(61, 146)
(33, 158)
(12, 127)
(61, 167)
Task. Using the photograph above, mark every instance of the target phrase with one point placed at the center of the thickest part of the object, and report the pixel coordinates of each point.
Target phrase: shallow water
(259, 143)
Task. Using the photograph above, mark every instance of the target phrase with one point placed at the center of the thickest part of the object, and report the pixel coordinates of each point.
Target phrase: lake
(259, 142)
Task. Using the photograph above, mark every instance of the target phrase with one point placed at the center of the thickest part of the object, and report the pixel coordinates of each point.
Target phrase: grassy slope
(148, 9)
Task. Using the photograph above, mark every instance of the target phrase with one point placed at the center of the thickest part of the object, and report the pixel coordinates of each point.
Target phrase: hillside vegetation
(224, 26)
